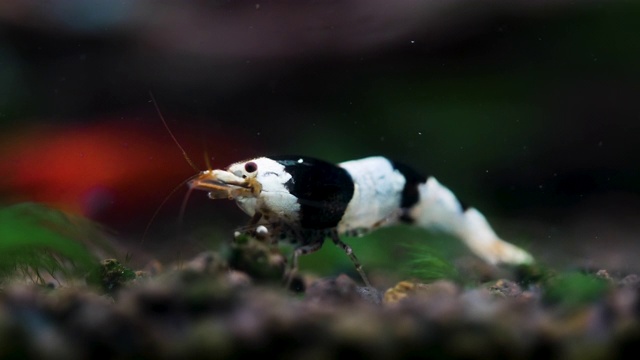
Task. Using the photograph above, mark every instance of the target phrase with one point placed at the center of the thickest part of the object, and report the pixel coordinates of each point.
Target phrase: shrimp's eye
(250, 167)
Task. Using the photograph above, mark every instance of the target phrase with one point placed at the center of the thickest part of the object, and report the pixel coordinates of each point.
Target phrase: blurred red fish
(107, 170)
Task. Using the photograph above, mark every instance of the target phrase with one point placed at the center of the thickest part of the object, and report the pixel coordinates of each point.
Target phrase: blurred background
(527, 110)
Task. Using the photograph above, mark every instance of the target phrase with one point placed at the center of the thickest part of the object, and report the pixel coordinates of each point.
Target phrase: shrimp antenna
(164, 122)
(206, 160)
(155, 214)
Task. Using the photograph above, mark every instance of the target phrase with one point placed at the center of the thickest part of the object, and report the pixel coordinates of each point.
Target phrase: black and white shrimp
(303, 201)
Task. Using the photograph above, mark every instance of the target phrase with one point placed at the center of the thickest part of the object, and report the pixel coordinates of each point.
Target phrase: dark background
(527, 110)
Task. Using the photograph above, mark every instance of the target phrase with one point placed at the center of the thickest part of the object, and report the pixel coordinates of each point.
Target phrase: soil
(237, 306)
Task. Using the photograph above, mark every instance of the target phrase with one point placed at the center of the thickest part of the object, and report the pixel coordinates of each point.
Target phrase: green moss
(36, 239)
(574, 289)
(111, 275)
(529, 274)
(429, 265)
